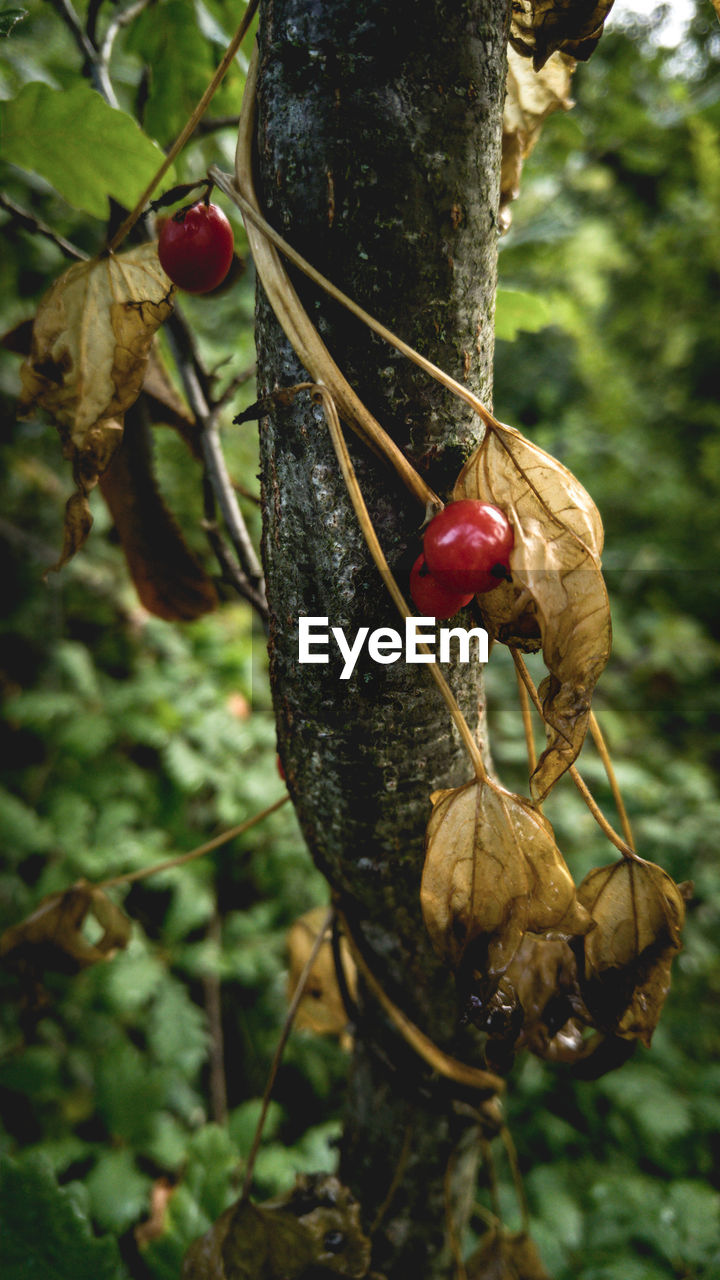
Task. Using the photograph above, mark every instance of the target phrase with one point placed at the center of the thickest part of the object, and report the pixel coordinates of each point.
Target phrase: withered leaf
(321, 1007)
(169, 579)
(506, 1257)
(314, 1226)
(638, 913)
(531, 97)
(557, 588)
(492, 872)
(539, 27)
(52, 938)
(90, 345)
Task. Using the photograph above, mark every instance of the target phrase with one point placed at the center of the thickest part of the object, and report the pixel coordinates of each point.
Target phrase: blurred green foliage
(127, 739)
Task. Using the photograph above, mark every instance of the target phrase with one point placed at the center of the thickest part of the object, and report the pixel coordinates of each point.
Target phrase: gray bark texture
(378, 157)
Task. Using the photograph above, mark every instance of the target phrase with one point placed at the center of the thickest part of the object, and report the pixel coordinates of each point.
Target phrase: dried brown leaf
(539, 27)
(506, 1257)
(52, 938)
(90, 346)
(557, 590)
(315, 1226)
(638, 912)
(492, 872)
(321, 1008)
(169, 579)
(531, 97)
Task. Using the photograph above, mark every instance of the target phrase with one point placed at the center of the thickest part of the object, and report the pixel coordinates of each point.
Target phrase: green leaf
(119, 1193)
(85, 149)
(10, 18)
(45, 1235)
(516, 310)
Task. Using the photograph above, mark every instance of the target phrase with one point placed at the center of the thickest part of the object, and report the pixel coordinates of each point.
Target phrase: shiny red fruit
(467, 546)
(432, 599)
(196, 247)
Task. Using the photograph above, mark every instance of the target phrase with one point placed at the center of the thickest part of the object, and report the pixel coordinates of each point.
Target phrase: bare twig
(29, 222)
(527, 723)
(97, 72)
(248, 578)
(597, 813)
(180, 859)
(602, 750)
(189, 128)
(121, 19)
(213, 1009)
(279, 1050)
(211, 124)
(486, 1082)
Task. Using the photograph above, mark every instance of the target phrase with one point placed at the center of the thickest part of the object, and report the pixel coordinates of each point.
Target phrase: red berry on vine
(432, 599)
(467, 546)
(196, 247)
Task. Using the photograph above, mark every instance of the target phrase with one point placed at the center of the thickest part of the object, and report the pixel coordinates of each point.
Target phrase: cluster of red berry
(465, 553)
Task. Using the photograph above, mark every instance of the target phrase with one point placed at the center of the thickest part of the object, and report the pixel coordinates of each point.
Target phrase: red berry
(432, 599)
(196, 247)
(467, 546)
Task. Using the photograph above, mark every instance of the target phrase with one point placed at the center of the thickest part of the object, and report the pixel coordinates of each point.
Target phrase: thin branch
(212, 124)
(189, 128)
(602, 750)
(279, 1050)
(224, 838)
(582, 787)
(527, 722)
(120, 20)
(486, 1082)
(98, 73)
(29, 222)
(213, 1009)
(517, 1177)
(376, 551)
(249, 578)
(396, 1180)
(452, 1235)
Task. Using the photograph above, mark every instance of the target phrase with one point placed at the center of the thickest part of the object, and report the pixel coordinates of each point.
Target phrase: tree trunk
(379, 133)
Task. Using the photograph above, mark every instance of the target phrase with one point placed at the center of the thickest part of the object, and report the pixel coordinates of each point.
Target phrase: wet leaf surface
(557, 595)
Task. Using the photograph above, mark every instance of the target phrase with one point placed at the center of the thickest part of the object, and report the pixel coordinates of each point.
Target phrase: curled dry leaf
(52, 937)
(90, 345)
(531, 97)
(638, 913)
(492, 873)
(314, 1228)
(506, 1257)
(539, 27)
(321, 1008)
(169, 579)
(557, 595)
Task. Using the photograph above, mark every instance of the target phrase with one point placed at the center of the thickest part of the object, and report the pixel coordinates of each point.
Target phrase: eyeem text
(385, 645)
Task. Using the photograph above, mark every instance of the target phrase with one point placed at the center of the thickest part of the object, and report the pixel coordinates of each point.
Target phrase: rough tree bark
(378, 156)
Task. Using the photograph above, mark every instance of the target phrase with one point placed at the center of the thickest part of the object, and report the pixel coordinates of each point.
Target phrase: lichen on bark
(378, 156)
